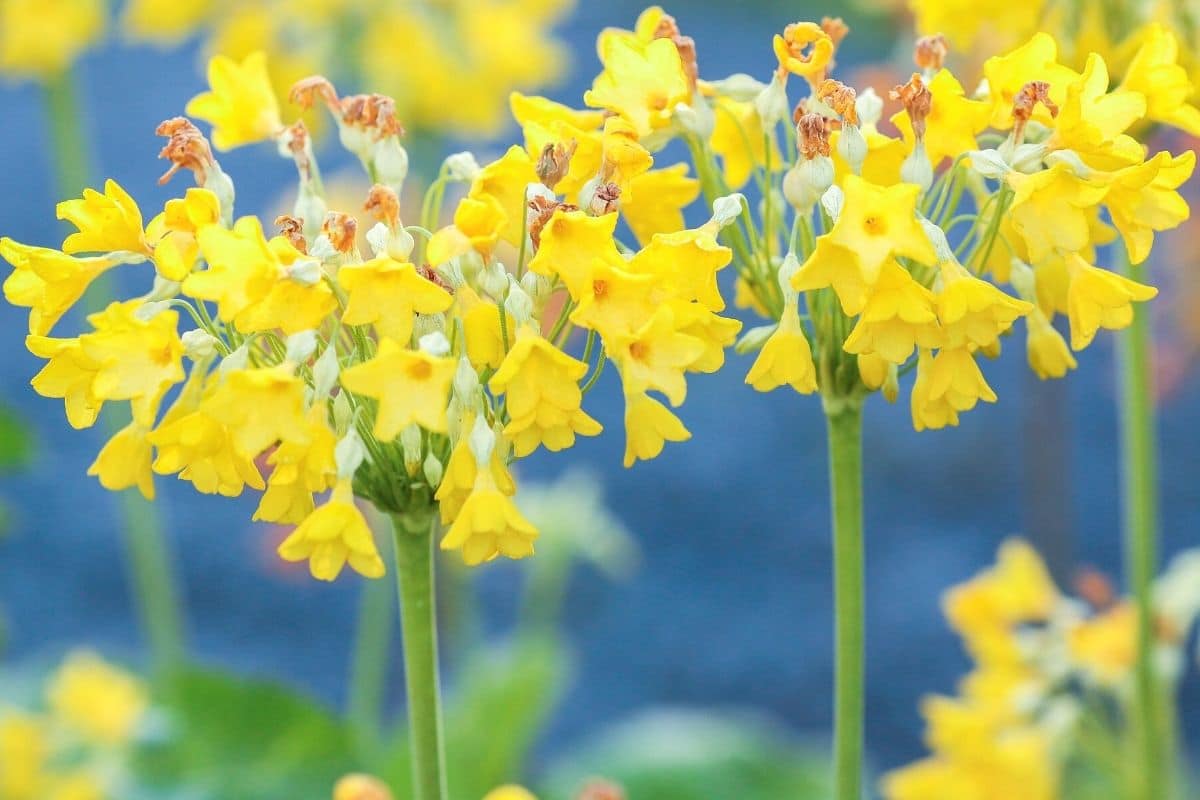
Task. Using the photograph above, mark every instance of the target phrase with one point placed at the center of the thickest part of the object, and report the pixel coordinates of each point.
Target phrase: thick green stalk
(845, 482)
(368, 671)
(418, 623)
(1139, 489)
(146, 550)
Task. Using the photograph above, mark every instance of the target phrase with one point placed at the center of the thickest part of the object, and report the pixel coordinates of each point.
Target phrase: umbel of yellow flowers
(410, 375)
(1048, 670)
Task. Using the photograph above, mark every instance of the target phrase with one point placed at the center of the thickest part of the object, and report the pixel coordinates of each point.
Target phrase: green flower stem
(1139, 459)
(844, 419)
(145, 544)
(418, 623)
(369, 669)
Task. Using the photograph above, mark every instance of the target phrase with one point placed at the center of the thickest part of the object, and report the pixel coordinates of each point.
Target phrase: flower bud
(429, 325)
(869, 107)
(789, 267)
(518, 303)
(753, 339)
(1072, 160)
(309, 207)
(322, 249)
(804, 183)
(301, 346)
(199, 344)
(306, 272)
(325, 372)
(237, 360)
(493, 280)
(937, 238)
(832, 201)
(916, 169)
(343, 414)
(852, 146)
(433, 470)
(461, 167)
(482, 441)
(739, 86)
(696, 118)
(162, 290)
(1023, 279)
(349, 453)
(413, 446)
(435, 344)
(466, 382)
(378, 239)
(988, 163)
(727, 209)
(772, 102)
(220, 184)
(391, 162)
(537, 287)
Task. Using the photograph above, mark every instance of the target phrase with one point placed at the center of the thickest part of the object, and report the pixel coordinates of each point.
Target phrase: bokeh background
(730, 603)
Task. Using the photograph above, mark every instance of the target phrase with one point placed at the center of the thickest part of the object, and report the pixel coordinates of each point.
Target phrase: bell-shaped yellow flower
(299, 470)
(785, 358)
(241, 267)
(41, 40)
(1046, 350)
(260, 407)
(135, 359)
(833, 265)
(289, 305)
(686, 264)
(107, 222)
(622, 157)
(387, 293)
(1051, 210)
(739, 140)
(481, 325)
(1006, 75)
(648, 426)
(99, 702)
(656, 201)
(1143, 198)
(479, 222)
(618, 302)
(48, 282)
(656, 356)
(240, 103)
(541, 384)
(410, 385)
(69, 374)
(714, 332)
(946, 384)
(641, 82)
(489, 525)
(973, 312)
(897, 318)
(335, 534)
(504, 181)
(458, 480)
(571, 245)
(124, 461)
(1099, 299)
(953, 121)
(1154, 73)
(173, 232)
(1092, 122)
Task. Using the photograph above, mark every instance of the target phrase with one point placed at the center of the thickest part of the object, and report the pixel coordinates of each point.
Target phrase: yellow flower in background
(358, 786)
(648, 426)
(1143, 198)
(332, 536)
(241, 103)
(1007, 75)
(24, 751)
(166, 21)
(411, 386)
(953, 121)
(106, 222)
(1154, 72)
(510, 792)
(740, 141)
(41, 39)
(99, 701)
(804, 49)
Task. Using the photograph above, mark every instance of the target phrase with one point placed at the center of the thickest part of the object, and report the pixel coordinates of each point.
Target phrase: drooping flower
(240, 103)
(333, 535)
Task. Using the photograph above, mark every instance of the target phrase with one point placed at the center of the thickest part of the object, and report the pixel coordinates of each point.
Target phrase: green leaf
(16, 443)
(680, 754)
(232, 737)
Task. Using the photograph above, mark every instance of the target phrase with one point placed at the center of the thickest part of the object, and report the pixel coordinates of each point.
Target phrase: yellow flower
(505, 180)
(686, 263)
(885, 156)
(973, 312)
(656, 201)
(623, 157)
(739, 139)
(786, 358)
(1155, 74)
(1105, 646)
(361, 787)
(1142, 199)
(166, 21)
(833, 265)
(1006, 75)
(260, 407)
(300, 469)
(510, 792)
(24, 752)
(1097, 298)
(1093, 122)
(411, 387)
(648, 425)
(332, 535)
(289, 305)
(618, 301)
(241, 104)
(106, 222)
(656, 356)
(897, 318)
(489, 525)
(481, 324)
(588, 147)
(124, 461)
(387, 293)
(967, 23)
(173, 232)
(946, 384)
(48, 282)
(1050, 210)
(641, 82)
(953, 121)
(478, 223)
(101, 702)
(541, 384)
(714, 332)
(198, 447)
(804, 49)
(68, 374)
(572, 244)
(458, 481)
(134, 358)
(877, 223)
(1046, 350)
(241, 267)
(41, 38)
(1018, 589)
(531, 108)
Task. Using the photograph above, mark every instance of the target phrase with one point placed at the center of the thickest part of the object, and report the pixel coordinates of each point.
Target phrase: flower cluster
(40, 40)
(412, 376)
(1048, 668)
(92, 709)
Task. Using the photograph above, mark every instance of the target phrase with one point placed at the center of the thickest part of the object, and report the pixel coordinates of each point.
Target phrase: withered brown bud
(430, 274)
(383, 205)
(1026, 101)
(930, 52)
(186, 148)
(341, 230)
(543, 209)
(918, 102)
(554, 162)
(1094, 588)
(292, 229)
(605, 200)
(812, 135)
(600, 789)
(836, 29)
(306, 91)
(840, 98)
(375, 111)
(297, 141)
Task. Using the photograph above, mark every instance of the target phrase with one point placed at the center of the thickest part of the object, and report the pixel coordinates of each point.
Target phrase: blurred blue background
(731, 603)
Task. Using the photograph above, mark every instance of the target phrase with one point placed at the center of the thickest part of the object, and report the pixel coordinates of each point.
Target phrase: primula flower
(973, 312)
(897, 318)
(641, 82)
(49, 282)
(648, 426)
(785, 359)
(41, 40)
(240, 103)
(388, 294)
(947, 384)
(100, 702)
(172, 234)
(332, 536)
(656, 355)
(1098, 299)
(106, 222)
(411, 387)
(1048, 353)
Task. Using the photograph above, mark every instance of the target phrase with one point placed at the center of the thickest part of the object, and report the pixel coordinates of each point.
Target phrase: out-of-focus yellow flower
(642, 83)
(1105, 646)
(1154, 72)
(100, 702)
(739, 139)
(1048, 353)
(332, 536)
(240, 103)
(510, 792)
(166, 21)
(361, 787)
(40, 39)
(23, 755)
(1143, 198)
